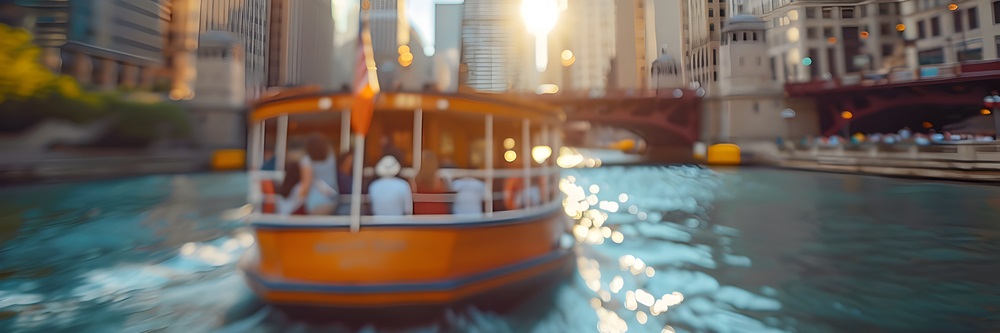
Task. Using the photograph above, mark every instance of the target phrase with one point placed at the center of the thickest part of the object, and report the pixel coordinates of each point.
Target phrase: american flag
(360, 68)
(364, 91)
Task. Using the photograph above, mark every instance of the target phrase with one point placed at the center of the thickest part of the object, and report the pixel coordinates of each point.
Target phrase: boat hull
(401, 265)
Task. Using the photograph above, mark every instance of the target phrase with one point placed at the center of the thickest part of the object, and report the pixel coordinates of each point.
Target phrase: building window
(711, 27)
(827, 12)
(996, 12)
(734, 37)
(956, 18)
(739, 8)
(810, 33)
(715, 57)
(754, 36)
(864, 10)
(996, 40)
(811, 12)
(971, 51)
(883, 8)
(921, 30)
(722, 13)
(774, 73)
(935, 26)
(885, 29)
(744, 36)
(831, 61)
(931, 57)
(827, 32)
(973, 18)
(847, 12)
(887, 50)
(715, 76)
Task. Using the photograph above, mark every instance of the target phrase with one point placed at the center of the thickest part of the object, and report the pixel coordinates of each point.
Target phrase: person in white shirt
(390, 196)
(469, 195)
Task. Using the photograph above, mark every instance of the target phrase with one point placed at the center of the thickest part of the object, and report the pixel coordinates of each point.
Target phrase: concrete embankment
(24, 168)
(966, 162)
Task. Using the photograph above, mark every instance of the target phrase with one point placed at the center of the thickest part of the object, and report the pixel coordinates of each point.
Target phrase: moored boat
(435, 256)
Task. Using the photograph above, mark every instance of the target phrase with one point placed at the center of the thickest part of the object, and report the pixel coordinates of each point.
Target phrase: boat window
(508, 159)
(391, 133)
(451, 135)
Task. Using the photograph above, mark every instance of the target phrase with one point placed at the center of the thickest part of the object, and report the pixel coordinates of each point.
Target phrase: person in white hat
(390, 195)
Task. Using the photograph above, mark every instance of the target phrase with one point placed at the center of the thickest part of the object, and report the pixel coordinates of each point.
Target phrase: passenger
(319, 176)
(287, 203)
(428, 182)
(390, 196)
(345, 180)
(470, 195)
(514, 195)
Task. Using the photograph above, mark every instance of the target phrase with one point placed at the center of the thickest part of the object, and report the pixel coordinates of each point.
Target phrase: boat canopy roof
(337, 101)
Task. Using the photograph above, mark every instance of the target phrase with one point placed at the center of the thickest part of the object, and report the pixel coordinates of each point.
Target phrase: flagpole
(359, 137)
(359, 148)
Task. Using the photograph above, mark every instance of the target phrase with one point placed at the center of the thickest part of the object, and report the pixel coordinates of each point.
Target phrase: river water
(661, 249)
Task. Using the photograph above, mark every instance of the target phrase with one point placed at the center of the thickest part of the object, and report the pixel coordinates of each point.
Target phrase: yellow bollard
(724, 154)
(229, 159)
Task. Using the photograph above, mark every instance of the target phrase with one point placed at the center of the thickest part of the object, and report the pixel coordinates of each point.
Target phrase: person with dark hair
(288, 202)
(319, 176)
(427, 181)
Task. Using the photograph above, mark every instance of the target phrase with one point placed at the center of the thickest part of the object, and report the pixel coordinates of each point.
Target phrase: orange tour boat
(490, 220)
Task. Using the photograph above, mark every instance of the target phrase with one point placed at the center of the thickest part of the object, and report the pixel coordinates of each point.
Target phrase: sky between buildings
(419, 12)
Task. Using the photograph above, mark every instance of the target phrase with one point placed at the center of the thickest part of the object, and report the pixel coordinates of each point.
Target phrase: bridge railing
(884, 77)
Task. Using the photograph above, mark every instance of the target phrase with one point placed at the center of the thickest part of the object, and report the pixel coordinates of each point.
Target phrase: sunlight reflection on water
(659, 249)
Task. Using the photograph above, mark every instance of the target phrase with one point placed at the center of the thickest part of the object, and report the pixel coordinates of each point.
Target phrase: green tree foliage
(30, 93)
(22, 75)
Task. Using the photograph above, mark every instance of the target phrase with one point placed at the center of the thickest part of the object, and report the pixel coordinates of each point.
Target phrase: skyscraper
(247, 19)
(447, 45)
(301, 44)
(487, 38)
(181, 47)
(390, 31)
(635, 44)
(589, 37)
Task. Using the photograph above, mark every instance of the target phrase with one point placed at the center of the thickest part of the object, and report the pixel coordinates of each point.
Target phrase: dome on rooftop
(665, 64)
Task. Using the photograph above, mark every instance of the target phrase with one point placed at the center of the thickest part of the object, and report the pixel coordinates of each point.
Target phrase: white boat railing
(315, 221)
(448, 174)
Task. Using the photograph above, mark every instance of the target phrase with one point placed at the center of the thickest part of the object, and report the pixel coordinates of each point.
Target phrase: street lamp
(992, 101)
(847, 115)
(787, 115)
